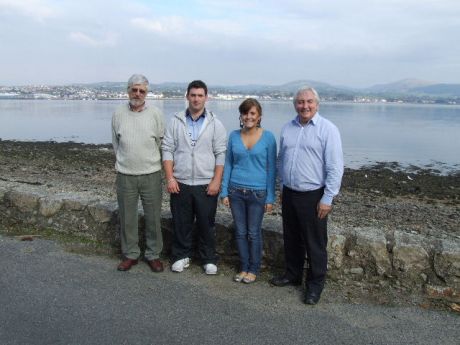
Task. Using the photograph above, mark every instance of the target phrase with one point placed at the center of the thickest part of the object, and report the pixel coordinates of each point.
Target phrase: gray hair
(137, 79)
(304, 89)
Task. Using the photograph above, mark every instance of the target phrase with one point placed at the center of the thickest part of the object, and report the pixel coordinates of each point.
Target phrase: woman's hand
(268, 207)
(226, 201)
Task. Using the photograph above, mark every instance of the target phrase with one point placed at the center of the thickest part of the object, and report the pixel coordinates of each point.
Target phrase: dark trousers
(304, 233)
(190, 203)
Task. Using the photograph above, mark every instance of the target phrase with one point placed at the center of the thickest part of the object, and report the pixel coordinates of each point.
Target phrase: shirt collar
(203, 115)
(145, 107)
(314, 120)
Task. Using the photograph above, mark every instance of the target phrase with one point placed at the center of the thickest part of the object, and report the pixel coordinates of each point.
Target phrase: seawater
(421, 135)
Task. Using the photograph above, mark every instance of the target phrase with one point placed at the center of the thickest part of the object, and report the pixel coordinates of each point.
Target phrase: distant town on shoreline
(403, 91)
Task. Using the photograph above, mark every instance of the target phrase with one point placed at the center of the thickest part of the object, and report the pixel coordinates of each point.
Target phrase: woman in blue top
(248, 185)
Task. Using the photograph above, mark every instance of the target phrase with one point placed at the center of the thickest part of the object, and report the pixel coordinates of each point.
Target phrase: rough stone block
(224, 240)
(371, 247)
(409, 254)
(48, 207)
(74, 204)
(273, 245)
(336, 250)
(357, 271)
(102, 212)
(25, 202)
(440, 291)
(3, 191)
(447, 263)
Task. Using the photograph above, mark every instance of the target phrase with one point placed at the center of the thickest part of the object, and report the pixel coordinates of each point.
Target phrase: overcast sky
(353, 43)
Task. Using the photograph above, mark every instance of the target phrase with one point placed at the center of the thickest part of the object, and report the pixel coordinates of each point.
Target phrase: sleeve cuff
(326, 199)
(167, 156)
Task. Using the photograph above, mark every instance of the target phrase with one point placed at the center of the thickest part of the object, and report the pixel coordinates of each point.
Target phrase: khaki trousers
(129, 189)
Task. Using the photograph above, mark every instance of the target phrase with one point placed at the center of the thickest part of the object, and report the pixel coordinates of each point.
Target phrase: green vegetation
(72, 243)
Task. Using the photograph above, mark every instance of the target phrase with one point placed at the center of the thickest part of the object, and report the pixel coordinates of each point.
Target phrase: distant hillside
(405, 85)
(293, 86)
(406, 89)
(290, 88)
(439, 90)
(121, 86)
(106, 85)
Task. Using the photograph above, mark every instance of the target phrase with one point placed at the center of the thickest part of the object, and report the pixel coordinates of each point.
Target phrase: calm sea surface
(422, 135)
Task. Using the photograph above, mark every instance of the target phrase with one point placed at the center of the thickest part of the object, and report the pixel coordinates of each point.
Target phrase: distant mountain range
(405, 87)
(418, 87)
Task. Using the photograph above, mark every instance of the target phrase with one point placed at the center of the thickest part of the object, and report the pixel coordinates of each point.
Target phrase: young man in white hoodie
(193, 159)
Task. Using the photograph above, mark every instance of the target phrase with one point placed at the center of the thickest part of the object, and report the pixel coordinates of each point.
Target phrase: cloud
(169, 25)
(374, 29)
(36, 9)
(109, 40)
(209, 34)
(231, 40)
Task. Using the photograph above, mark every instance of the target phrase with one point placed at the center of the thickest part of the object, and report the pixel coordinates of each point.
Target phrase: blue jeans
(248, 208)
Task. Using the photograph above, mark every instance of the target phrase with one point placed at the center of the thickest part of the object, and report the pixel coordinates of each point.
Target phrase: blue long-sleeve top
(253, 168)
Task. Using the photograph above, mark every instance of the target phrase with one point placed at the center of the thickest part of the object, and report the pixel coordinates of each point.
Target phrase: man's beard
(136, 102)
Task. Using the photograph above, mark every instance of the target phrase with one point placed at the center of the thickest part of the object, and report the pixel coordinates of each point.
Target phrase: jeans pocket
(260, 194)
(231, 190)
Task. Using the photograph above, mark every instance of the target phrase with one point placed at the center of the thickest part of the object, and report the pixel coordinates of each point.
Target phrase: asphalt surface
(50, 296)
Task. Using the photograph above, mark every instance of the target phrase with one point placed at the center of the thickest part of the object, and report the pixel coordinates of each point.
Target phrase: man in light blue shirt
(310, 171)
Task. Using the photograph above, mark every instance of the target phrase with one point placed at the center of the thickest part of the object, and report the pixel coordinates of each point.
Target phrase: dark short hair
(247, 104)
(197, 84)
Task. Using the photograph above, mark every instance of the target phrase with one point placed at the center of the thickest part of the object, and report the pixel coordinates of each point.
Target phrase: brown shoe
(156, 265)
(126, 264)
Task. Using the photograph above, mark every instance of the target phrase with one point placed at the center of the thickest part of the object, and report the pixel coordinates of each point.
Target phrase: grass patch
(70, 242)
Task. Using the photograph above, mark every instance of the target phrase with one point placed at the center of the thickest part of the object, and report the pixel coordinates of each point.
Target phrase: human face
(137, 94)
(251, 119)
(196, 100)
(306, 106)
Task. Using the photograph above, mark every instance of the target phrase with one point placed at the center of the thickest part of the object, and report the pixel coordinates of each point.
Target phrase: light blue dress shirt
(311, 157)
(194, 126)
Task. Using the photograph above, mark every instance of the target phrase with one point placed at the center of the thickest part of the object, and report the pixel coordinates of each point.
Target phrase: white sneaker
(179, 265)
(210, 269)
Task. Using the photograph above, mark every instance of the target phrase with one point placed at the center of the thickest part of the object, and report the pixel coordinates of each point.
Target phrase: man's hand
(323, 210)
(173, 186)
(213, 187)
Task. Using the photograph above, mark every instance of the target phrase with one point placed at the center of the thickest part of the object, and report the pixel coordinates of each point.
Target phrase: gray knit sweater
(136, 139)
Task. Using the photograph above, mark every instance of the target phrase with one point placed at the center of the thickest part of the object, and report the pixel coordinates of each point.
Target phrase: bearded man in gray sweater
(137, 131)
(193, 159)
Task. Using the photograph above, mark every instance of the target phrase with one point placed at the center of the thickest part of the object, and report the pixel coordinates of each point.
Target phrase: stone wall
(362, 254)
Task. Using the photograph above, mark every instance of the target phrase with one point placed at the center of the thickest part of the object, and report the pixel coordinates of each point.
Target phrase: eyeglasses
(136, 90)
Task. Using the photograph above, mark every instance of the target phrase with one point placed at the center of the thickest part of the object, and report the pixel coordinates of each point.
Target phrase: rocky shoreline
(395, 204)
(384, 196)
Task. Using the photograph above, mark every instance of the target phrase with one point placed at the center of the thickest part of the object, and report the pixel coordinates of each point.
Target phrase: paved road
(49, 296)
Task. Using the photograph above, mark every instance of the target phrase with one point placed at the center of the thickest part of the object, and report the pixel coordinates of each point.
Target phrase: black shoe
(311, 298)
(283, 281)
